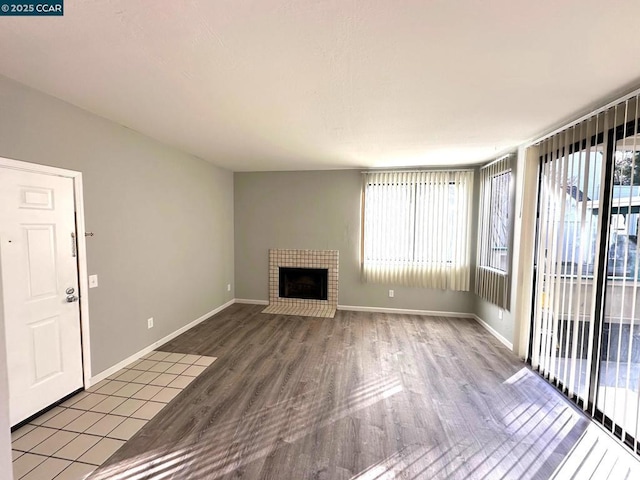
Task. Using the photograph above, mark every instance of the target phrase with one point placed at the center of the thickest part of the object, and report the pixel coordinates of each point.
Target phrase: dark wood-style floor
(360, 396)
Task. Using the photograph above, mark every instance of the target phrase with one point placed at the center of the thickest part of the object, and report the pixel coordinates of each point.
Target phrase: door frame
(83, 276)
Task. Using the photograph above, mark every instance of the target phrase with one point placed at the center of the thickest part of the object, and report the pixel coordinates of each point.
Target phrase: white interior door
(39, 266)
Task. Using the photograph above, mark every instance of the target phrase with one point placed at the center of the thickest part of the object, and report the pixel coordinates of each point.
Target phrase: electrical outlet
(150, 322)
(500, 314)
(391, 293)
(228, 287)
(93, 281)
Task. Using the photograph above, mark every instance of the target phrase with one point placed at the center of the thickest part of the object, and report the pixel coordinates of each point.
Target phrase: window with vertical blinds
(586, 317)
(492, 279)
(416, 227)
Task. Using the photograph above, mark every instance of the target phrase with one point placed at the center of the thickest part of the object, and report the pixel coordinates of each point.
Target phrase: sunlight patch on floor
(597, 455)
(240, 443)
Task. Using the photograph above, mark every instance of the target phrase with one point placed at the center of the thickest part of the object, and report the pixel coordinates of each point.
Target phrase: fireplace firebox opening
(307, 283)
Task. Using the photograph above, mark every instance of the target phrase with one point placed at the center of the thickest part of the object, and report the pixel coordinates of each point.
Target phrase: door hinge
(73, 244)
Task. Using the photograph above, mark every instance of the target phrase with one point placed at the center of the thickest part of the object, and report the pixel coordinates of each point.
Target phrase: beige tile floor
(69, 441)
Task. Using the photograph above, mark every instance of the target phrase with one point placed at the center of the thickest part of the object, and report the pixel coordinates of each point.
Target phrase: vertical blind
(585, 327)
(493, 267)
(416, 228)
(566, 260)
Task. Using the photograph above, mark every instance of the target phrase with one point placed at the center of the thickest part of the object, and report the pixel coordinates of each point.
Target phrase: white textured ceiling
(318, 84)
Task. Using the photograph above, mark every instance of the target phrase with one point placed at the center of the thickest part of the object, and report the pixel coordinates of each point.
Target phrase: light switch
(93, 281)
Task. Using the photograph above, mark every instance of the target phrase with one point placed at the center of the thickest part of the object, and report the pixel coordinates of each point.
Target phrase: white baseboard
(359, 308)
(433, 313)
(407, 311)
(111, 370)
(493, 332)
(249, 301)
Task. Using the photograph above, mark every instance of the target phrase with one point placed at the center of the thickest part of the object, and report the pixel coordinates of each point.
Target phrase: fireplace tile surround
(303, 259)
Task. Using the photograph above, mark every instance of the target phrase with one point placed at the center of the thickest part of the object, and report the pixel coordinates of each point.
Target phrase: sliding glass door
(566, 262)
(619, 368)
(586, 304)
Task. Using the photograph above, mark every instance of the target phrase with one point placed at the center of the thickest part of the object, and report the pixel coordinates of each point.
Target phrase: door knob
(71, 298)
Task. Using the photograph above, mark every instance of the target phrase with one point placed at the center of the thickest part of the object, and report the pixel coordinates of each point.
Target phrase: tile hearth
(301, 310)
(71, 440)
(303, 259)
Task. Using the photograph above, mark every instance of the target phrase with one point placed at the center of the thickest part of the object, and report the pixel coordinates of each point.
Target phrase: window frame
(485, 271)
(486, 249)
(434, 245)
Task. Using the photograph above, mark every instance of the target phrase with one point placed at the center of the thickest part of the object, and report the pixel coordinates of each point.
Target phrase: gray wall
(163, 220)
(490, 314)
(316, 210)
